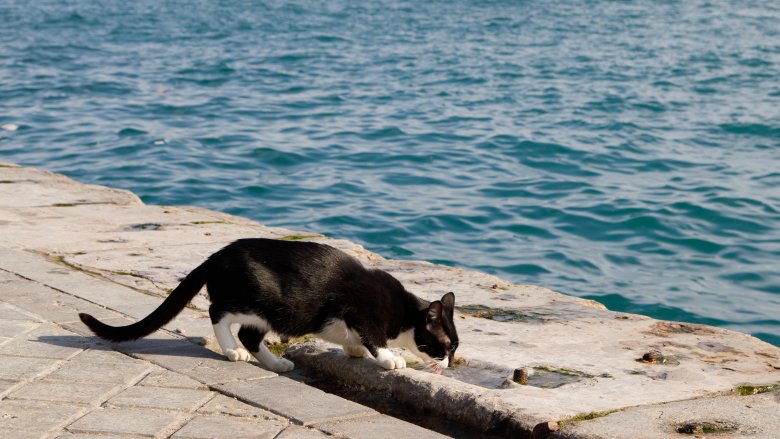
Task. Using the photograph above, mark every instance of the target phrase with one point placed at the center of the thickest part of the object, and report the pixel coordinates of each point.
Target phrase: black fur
(298, 287)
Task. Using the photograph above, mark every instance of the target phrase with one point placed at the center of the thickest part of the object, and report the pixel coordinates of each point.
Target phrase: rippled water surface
(623, 151)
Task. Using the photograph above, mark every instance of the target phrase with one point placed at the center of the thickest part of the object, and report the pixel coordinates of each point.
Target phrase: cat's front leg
(389, 360)
(385, 358)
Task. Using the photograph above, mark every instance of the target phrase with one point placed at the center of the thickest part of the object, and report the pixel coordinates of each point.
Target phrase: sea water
(624, 151)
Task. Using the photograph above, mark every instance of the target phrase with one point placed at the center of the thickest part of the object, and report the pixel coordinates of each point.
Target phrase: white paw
(238, 354)
(355, 351)
(282, 365)
(394, 362)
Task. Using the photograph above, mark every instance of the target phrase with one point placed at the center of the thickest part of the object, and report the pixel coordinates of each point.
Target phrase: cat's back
(285, 256)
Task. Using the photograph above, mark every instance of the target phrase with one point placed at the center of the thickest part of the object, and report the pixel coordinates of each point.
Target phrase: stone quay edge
(591, 372)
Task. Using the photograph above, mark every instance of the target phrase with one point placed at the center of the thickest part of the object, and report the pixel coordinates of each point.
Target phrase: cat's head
(435, 334)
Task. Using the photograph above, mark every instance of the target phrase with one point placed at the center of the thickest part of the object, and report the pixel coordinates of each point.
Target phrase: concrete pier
(68, 247)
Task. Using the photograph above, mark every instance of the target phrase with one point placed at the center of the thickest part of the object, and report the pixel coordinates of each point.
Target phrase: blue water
(627, 152)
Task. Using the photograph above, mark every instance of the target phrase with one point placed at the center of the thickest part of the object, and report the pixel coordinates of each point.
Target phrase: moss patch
(279, 348)
(197, 223)
(707, 427)
(748, 390)
(504, 314)
(300, 237)
(585, 417)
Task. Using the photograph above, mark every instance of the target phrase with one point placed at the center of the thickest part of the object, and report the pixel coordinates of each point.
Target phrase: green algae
(278, 348)
(748, 390)
(300, 237)
(503, 314)
(585, 417)
(707, 427)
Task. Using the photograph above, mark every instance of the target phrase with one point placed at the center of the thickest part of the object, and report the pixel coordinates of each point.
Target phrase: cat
(294, 288)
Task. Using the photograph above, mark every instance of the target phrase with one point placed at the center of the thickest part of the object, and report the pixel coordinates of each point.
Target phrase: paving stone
(161, 398)
(13, 328)
(118, 373)
(166, 378)
(19, 434)
(8, 312)
(6, 276)
(159, 342)
(291, 399)
(225, 405)
(47, 341)
(203, 365)
(77, 283)
(143, 422)
(5, 385)
(82, 393)
(50, 304)
(17, 368)
(104, 354)
(96, 436)
(376, 427)
(40, 416)
(215, 427)
(299, 432)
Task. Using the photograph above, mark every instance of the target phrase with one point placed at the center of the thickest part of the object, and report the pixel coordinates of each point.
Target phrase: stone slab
(303, 404)
(36, 186)
(161, 398)
(18, 368)
(50, 304)
(19, 434)
(77, 283)
(202, 364)
(166, 378)
(77, 393)
(300, 432)
(216, 427)
(87, 372)
(376, 427)
(36, 415)
(143, 422)
(104, 354)
(225, 405)
(6, 385)
(12, 328)
(755, 416)
(9, 312)
(47, 341)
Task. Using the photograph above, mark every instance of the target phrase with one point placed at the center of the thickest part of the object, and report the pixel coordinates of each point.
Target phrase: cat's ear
(448, 301)
(434, 313)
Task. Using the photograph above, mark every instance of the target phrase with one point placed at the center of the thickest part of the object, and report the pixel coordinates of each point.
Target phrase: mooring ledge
(605, 357)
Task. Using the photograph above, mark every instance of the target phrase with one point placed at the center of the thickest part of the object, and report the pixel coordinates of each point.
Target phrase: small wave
(752, 129)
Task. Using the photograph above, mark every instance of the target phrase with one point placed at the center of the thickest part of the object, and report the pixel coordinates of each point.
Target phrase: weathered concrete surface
(110, 234)
(755, 416)
(57, 380)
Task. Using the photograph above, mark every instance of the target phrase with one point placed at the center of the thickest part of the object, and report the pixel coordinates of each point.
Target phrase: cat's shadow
(150, 346)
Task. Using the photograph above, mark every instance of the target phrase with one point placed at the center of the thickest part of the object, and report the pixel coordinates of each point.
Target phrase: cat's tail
(170, 308)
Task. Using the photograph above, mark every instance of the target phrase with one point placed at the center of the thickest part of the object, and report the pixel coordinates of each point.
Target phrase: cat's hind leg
(228, 344)
(221, 323)
(252, 338)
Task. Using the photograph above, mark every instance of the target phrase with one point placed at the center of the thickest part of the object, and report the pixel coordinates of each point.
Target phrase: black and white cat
(294, 288)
